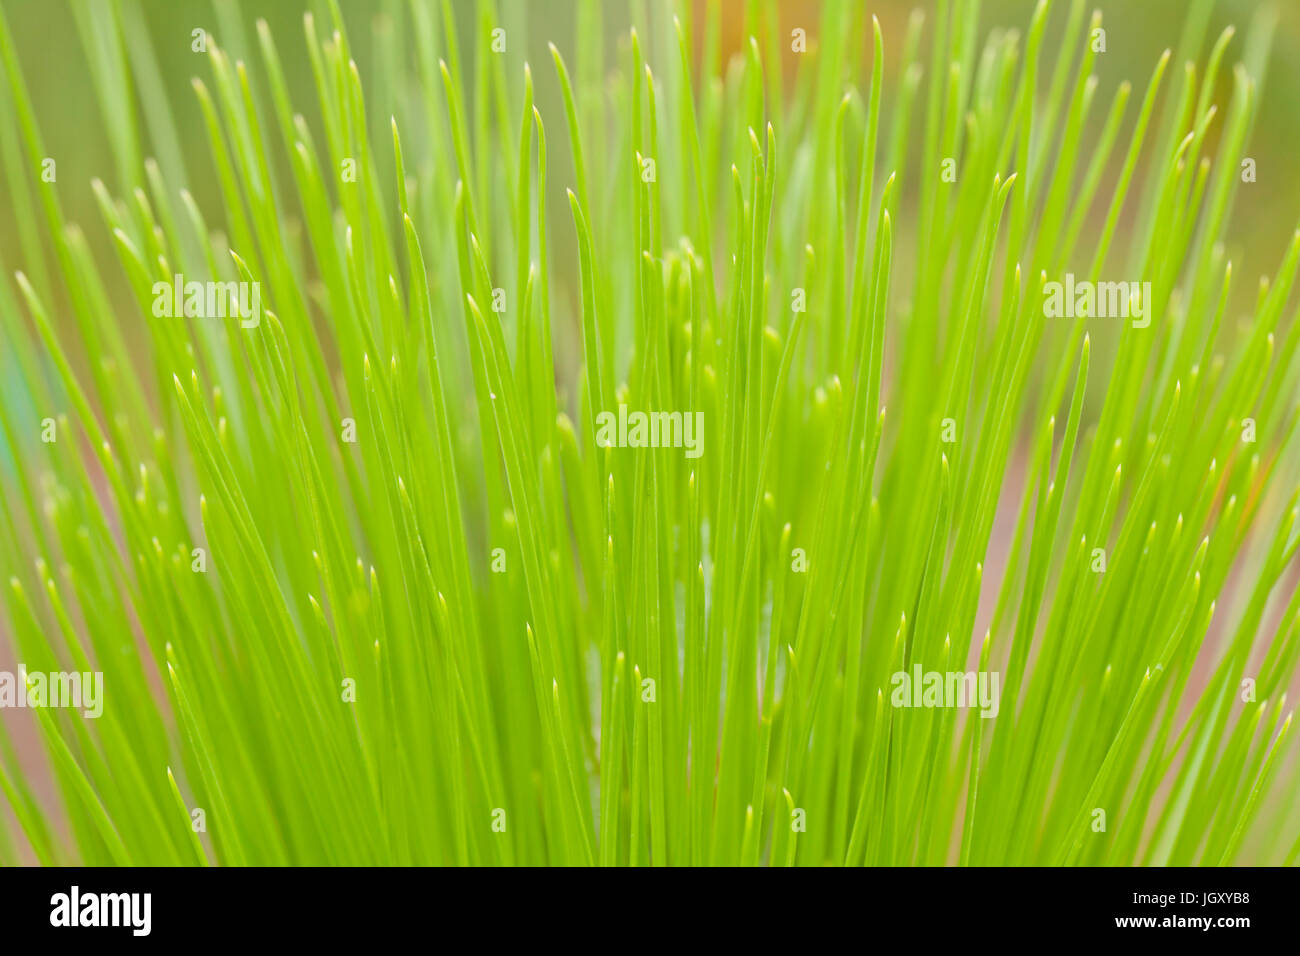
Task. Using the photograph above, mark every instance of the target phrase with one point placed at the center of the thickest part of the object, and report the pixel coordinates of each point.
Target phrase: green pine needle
(366, 586)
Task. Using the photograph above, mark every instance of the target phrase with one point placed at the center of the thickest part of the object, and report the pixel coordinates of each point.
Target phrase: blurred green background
(55, 64)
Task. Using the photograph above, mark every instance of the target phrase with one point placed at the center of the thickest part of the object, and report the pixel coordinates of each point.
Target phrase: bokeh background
(55, 59)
